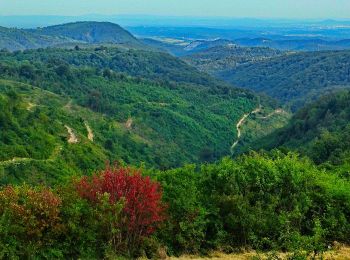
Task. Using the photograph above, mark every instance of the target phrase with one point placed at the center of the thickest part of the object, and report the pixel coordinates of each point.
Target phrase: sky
(291, 9)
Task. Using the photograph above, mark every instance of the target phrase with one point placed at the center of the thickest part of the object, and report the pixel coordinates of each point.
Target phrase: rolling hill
(296, 78)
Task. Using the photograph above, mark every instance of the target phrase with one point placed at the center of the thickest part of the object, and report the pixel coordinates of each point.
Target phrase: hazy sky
(228, 8)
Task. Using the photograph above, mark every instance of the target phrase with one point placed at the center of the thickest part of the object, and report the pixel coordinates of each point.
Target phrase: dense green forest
(320, 130)
(295, 78)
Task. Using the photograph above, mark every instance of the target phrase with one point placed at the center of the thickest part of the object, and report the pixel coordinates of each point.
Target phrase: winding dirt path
(90, 133)
(244, 118)
(129, 123)
(72, 138)
(240, 123)
(17, 160)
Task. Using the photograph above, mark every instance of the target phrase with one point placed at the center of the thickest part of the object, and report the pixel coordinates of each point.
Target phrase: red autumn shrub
(142, 207)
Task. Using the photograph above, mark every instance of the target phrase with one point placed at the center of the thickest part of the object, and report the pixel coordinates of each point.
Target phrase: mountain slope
(295, 78)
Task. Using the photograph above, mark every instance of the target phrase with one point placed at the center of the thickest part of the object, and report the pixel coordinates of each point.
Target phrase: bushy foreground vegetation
(260, 201)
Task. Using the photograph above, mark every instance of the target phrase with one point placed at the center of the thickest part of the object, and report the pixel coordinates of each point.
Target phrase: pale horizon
(234, 9)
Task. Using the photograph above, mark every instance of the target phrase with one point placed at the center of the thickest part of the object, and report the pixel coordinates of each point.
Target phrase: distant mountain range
(66, 34)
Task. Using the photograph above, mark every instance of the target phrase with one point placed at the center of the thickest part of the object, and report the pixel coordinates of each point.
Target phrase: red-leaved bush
(142, 210)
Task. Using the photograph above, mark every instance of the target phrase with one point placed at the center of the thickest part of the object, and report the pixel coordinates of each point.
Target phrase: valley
(175, 143)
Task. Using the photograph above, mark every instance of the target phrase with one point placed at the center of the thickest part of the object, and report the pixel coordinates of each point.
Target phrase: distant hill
(200, 45)
(67, 35)
(295, 78)
(181, 48)
(229, 56)
(298, 44)
(91, 32)
(17, 39)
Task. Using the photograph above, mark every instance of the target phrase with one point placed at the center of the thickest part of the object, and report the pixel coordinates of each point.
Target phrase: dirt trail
(72, 139)
(240, 123)
(277, 111)
(244, 118)
(128, 123)
(90, 133)
(16, 160)
(30, 106)
(68, 105)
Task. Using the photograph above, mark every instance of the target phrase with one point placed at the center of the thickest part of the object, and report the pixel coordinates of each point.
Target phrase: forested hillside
(155, 66)
(160, 123)
(320, 130)
(295, 78)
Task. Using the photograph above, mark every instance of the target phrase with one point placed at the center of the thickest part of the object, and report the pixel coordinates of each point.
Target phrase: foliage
(184, 230)
(142, 211)
(30, 222)
(276, 201)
